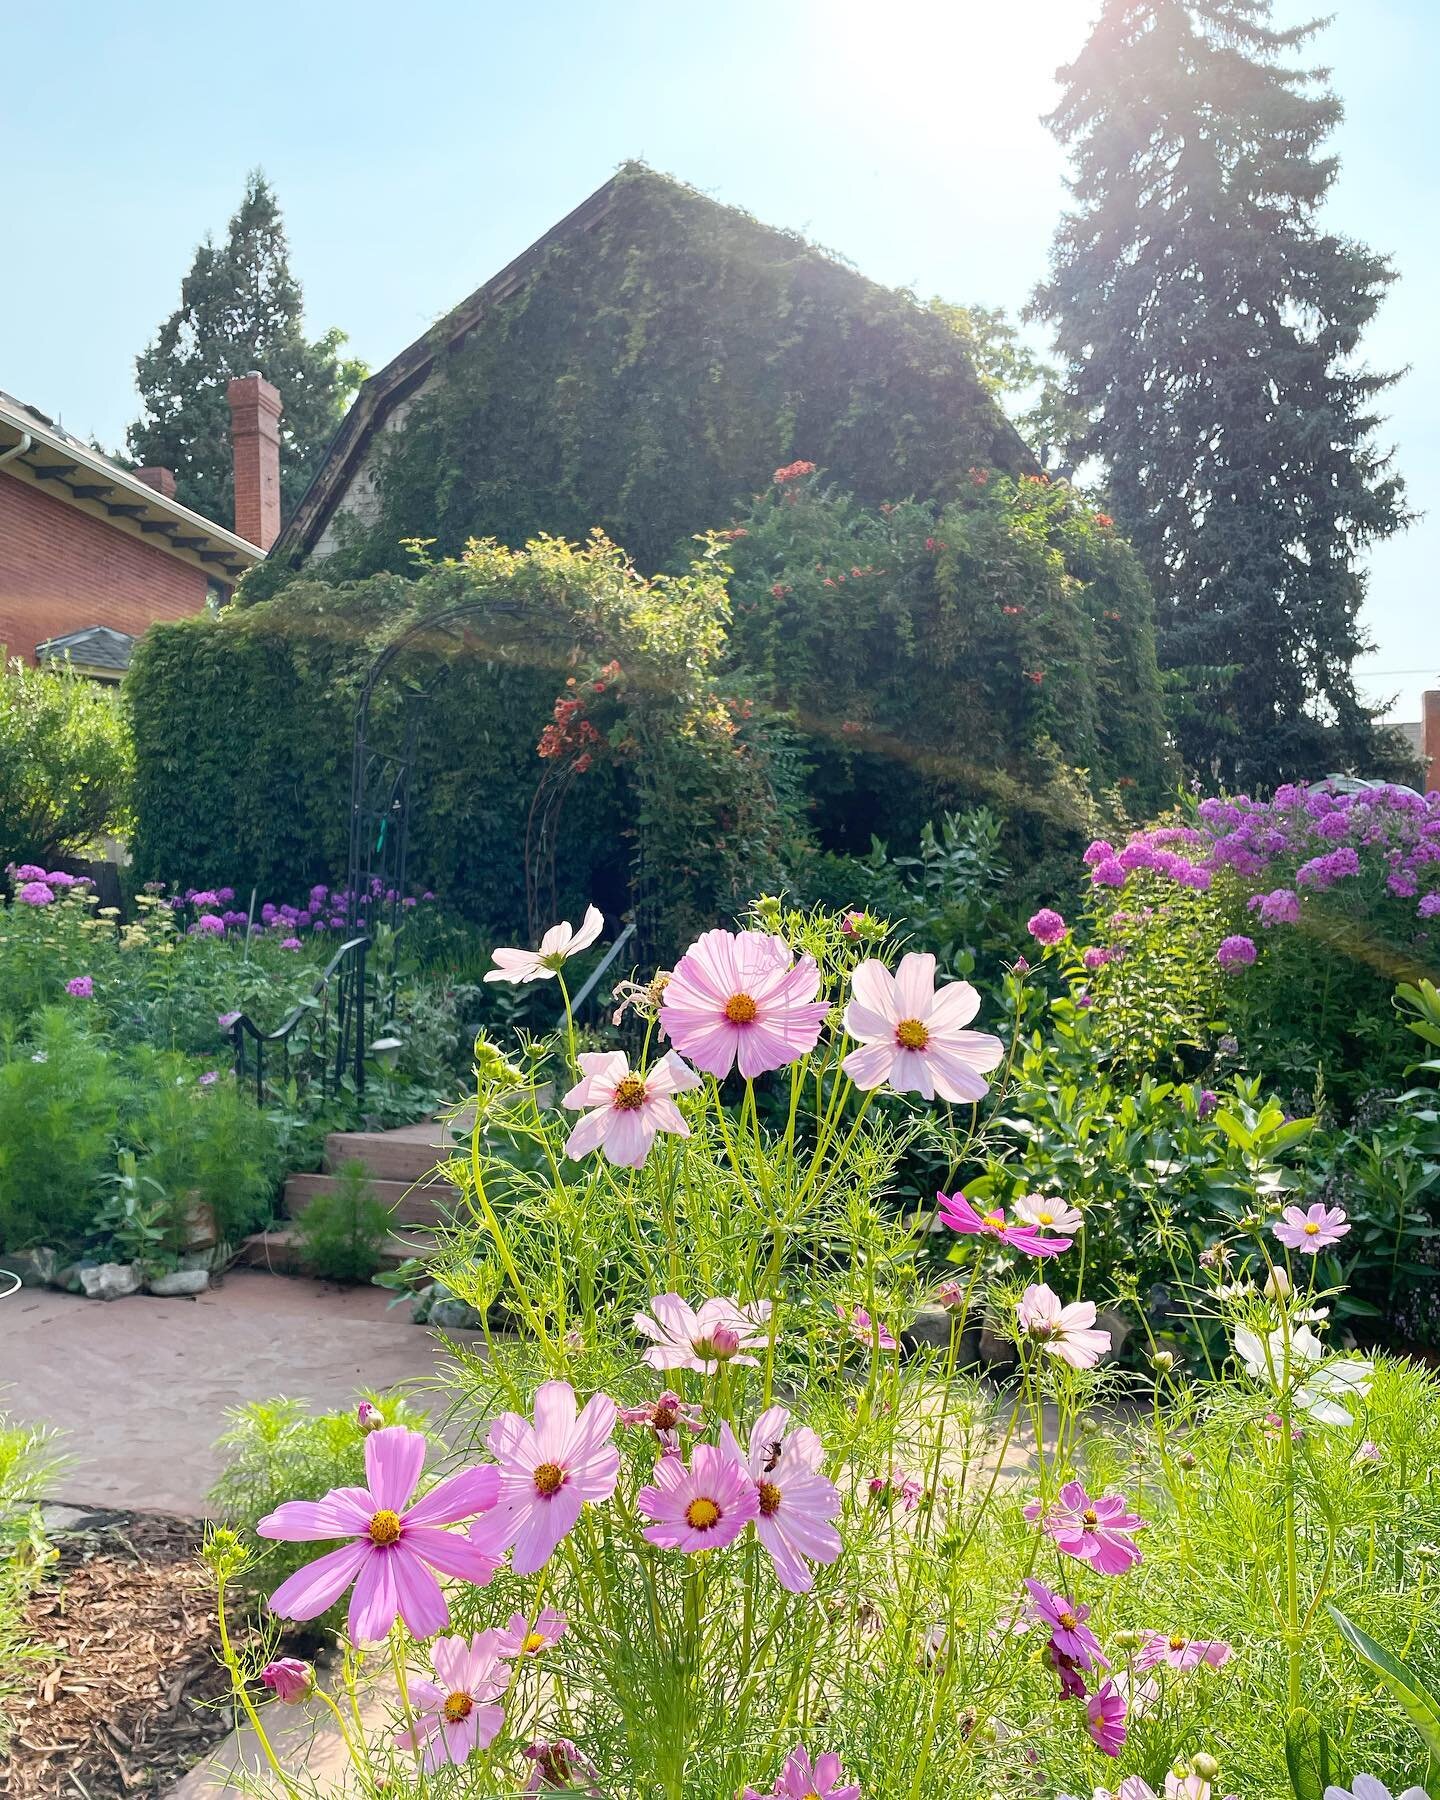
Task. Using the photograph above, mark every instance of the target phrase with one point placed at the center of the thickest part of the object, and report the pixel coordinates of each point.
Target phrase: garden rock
(36, 1268)
(455, 1315)
(179, 1282)
(110, 1281)
(930, 1330)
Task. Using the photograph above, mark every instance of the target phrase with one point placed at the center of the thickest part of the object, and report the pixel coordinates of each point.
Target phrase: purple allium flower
(1046, 926)
(1236, 953)
(81, 986)
(290, 943)
(35, 893)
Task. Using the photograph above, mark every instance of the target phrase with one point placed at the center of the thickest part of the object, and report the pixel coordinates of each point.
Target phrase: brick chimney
(255, 434)
(1430, 738)
(162, 480)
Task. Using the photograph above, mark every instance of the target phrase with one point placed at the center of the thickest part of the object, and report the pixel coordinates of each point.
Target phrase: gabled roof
(70, 470)
(411, 368)
(96, 647)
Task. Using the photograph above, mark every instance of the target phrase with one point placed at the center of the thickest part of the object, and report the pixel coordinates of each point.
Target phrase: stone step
(279, 1250)
(407, 1155)
(423, 1203)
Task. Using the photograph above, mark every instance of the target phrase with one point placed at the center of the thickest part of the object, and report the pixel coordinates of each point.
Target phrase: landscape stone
(110, 1281)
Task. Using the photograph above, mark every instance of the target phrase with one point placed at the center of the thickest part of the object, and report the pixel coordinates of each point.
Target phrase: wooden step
(424, 1203)
(407, 1155)
(279, 1251)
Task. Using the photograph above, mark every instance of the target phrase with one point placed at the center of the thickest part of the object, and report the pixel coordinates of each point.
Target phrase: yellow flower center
(702, 1514)
(910, 1034)
(1068, 1620)
(549, 1479)
(769, 1499)
(535, 1640)
(1311, 1228)
(1044, 1218)
(1090, 1516)
(457, 1707)
(629, 1094)
(996, 1218)
(385, 1527)
(740, 1009)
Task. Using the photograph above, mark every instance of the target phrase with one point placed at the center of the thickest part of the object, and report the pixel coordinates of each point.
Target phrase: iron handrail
(350, 1014)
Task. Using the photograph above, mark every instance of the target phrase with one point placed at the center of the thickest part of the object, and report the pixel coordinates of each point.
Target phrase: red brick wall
(62, 569)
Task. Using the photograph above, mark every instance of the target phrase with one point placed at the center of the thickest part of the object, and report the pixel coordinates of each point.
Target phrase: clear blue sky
(415, 148)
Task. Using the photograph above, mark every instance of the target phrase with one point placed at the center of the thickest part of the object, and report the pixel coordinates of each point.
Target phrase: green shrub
(65, 764)
(343, 1229)
(59, 1096)
(28, 1463)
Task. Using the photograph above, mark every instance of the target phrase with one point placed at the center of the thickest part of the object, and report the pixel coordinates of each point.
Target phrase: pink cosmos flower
(628, 1109)
(522, 1638)
(866, 1330)
(1070, 1636)
(665, 1416)
(1066, 1332)
(289, 1679)
(453, 1717)
(720, 1332)
(897, 1485)
(557, 946)
(1072, 1682)
(1097, 1531)
(1313, 1230)
(801, 1779)
(1105, 1718)
(1047, 1214)
(703, 1507)
(740, 999)
(559, 1764)
(1178, 1652)
(796, 1502)
(912, 1037)
(548, 1471)
(398, 1544)
(961, 1215)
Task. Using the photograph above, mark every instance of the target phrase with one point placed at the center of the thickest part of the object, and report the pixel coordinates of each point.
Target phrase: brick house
(92, 554)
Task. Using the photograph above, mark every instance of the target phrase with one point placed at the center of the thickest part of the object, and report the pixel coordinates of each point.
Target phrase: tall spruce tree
(240, 309)
(1209, 329)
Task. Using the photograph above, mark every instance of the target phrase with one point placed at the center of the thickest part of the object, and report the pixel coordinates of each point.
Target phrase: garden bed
(128, 1693)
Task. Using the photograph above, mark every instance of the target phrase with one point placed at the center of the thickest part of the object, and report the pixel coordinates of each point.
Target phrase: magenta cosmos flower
(1070, 1636)
(548, 1471)
(796, 1502)
(702, 1507)
(873, 1333)
(559, 1764)
(522, 1638)
(398, 1546)
(802, 1779)
(912, 1037)
(1178, 1652)
(1105, 1718)
(1066, 1332)
(962, 1215)
(289, 1679)
(1098, 1531)
(627, 1109)
(454, 1714)
(720, 1331)
(558, 945)
(739, 999)
(1313, 1230)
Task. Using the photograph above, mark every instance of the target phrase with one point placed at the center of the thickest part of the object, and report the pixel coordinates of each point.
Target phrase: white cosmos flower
(558, 945)
(1366, 1787)
(1326, 1379)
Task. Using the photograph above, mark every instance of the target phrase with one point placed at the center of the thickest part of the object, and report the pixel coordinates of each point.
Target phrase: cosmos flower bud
(289, 1679)
(1164, 1361)
(1204, 1766)
(1130, 1640)
(368, 1417)
(724, 1342)
(1186, 1459)
(1278, 1285)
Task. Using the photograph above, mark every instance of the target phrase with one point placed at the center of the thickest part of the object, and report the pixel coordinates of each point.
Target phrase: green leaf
(1419, 1705)
(1307, 1755)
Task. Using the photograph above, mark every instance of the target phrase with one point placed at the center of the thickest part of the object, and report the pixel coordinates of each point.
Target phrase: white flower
(1326, 1379)
(1366, 1787)
(557, 946)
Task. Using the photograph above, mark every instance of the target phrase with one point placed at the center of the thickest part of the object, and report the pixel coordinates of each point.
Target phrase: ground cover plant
(716, 1520)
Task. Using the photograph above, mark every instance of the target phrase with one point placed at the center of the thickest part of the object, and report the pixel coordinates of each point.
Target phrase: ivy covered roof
(642, 367)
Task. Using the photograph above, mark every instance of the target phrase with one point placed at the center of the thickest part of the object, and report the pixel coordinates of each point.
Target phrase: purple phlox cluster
(1236, 953)
(1281, 906)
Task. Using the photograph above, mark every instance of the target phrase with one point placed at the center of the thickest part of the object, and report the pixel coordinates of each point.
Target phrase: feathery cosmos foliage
(240, 310)
(1210, 327)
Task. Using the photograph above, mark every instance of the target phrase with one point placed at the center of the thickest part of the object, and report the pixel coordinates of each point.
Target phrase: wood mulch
(128, 1692)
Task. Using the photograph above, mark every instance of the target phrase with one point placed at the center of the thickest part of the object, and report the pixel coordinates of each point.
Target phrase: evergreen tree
(1209, 327)
(240, 310)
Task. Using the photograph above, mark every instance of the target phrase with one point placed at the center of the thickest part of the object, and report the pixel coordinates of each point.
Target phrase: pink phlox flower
(962, 1215)
(1096, 1530)
(802, 1779)
(1105, 1718)
(398, 1544)
(454, 1714)
(559, 1764)
(1065, 1618)
(1046, 926)
(558, 945)
(548, 1471)
(1176, 1651)
(1313, 1230)
(289, 1679)
(911, 1037)
(81, 987)
(796, 1503)
(524, 1637)
(868, 1331)
(720, 1331)
(34, 893)
(1064, 1331)
(1048, 1214)
(626, 1109)
(740, 999)
(704, 1506)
